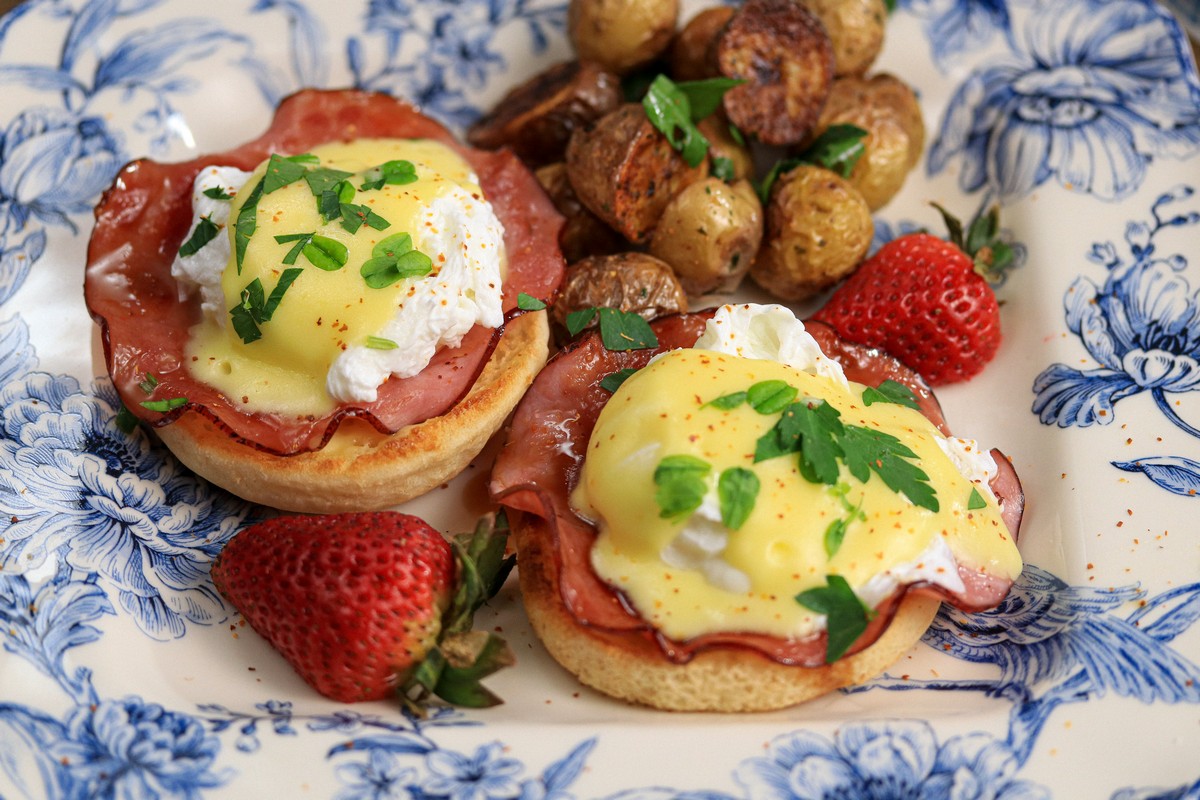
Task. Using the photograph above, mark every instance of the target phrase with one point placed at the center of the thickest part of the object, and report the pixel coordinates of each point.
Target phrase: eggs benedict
(754, 516)
(329, 317)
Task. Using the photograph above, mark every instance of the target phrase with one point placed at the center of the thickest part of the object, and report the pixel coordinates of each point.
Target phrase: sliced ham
(145, 216)
(533, 477)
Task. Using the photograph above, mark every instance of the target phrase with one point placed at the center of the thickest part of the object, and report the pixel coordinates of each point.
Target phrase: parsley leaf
(624, 330)
(285, 170)
(577, 320)
(846, 616)
(246, 224)
(355, 216)
(612, 381)
(125, 420)
(322, 179)
(321, 251)
(527, 302)
(890, 391)
(332, 199)
(835, 532)
(838, 148)
(394, 259)
(675, 108)
(217, 193)
(770, 397)
(255, 308)
(868, 450)
(727, 402)
(681, 485)
(397, 173)
(975, 501)
(737, 489)
(811, 431)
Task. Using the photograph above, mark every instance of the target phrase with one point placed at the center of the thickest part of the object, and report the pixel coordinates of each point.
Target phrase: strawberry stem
(981, 241)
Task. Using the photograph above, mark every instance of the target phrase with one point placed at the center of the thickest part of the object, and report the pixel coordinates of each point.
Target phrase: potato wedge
(709, 234)
(583, 233)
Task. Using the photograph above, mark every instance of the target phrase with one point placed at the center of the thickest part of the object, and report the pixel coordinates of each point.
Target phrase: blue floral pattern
(105, 536)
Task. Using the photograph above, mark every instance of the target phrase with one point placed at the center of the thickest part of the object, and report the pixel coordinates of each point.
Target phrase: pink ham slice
(534, 474)
(145, 216)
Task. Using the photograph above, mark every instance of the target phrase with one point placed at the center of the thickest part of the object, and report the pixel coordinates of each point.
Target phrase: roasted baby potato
(782, 52)
(886, 108)
(855, 29)
(583, 233)
(818, 228)
(692, 56)
(634, 282)
(721, 144)
(625, 171)
(621, 34)
(536, 118)
(709, 234)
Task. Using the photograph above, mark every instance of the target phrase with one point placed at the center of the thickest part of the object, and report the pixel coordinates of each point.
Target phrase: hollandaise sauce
(725, 487)
(346, 265)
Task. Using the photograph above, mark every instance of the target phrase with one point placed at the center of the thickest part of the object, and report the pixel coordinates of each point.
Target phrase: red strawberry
(927, 301)
(370, 605)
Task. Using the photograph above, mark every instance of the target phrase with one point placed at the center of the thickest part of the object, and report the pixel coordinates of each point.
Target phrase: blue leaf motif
(95, 17)
(310, 64)
(399, 742)
(16, 262)
(24, 757)
(16, 354)
(1173, 473)
(562, 773)
(41, 78)
(151, 53)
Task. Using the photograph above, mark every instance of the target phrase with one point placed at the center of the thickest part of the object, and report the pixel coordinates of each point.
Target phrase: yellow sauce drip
(323, 312)
(658, 412)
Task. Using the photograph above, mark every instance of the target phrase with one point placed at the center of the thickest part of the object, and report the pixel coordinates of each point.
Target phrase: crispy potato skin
(818, 228)
(783, 53)
(626, 172)
(635, 282)
(583, 233)
(855, 29)
(536, 118)
(709, 234)
(621, 34)
(692, 55)
(885, 107)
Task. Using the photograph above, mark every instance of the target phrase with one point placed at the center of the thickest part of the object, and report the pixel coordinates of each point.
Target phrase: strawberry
(370, 605)
(928, 301)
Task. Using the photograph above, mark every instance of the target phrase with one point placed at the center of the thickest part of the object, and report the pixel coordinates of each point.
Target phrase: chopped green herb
(217, 193)
(737, 489)
(891, 391)
(681, 485)
(723, 168)
(205, 231)
(845, 615)
(246, 224)
(838, 149)
(624, 330)
(355, 216)
(331, 201)
(285, 170)
(321, 251)
(867, 450)
(613, 381)
(576, 321)
(727, 402)
(975, 501)
(669, 110)
(149, 383)
(704, 96)
(380, 343)
(813, 432)
(164, 406)
(527, 302)
(394, 259)
(255, 308)
(125, 420)
(770, 397)
(396, 173)
(322, 179)
(835, 532)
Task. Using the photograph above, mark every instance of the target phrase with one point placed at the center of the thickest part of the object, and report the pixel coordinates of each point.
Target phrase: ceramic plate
(122, 674)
